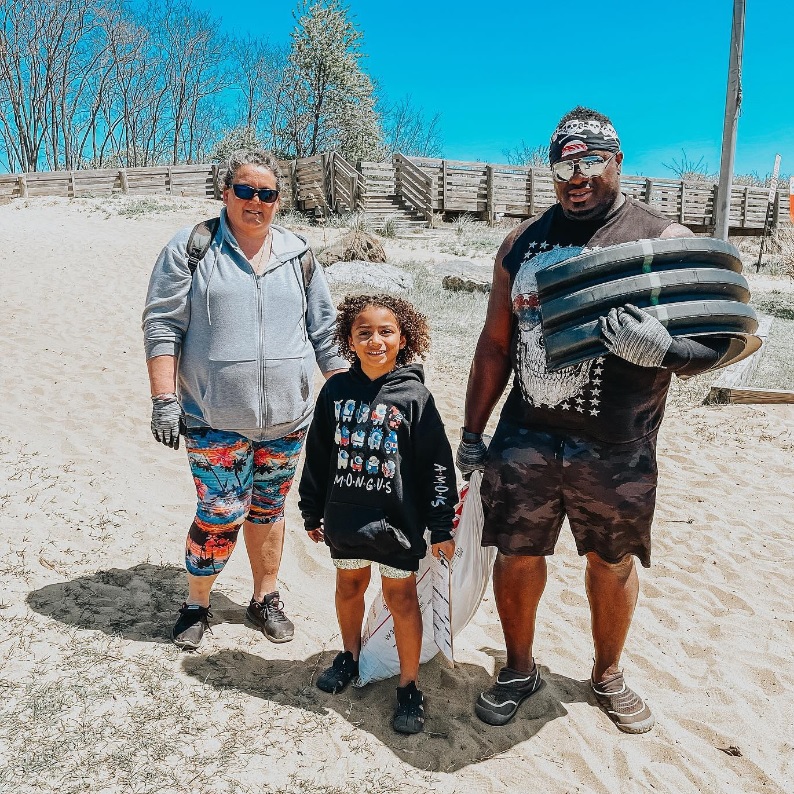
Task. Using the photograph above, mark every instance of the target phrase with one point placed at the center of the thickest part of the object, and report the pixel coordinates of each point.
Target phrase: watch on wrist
(467, 437)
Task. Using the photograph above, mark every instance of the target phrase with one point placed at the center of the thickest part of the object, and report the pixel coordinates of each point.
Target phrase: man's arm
(490, 368)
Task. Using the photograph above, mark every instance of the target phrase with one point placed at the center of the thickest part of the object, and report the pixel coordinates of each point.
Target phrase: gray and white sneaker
(499, 704)
(623, 705)
(268, 616)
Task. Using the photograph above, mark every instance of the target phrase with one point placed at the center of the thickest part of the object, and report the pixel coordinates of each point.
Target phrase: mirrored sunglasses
(589, 166)
(266, 194)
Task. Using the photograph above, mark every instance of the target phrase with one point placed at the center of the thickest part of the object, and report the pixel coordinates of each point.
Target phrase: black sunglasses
(266, 194)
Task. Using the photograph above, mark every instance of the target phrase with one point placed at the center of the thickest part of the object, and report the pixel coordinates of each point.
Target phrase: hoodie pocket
(231, 399)
(288, 388)
(360, 531)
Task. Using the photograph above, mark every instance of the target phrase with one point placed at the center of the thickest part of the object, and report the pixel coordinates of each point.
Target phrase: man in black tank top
(580, 442)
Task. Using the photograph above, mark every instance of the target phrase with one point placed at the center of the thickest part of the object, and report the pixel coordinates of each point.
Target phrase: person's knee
(601, 567)
(400, 594)
(351, 585)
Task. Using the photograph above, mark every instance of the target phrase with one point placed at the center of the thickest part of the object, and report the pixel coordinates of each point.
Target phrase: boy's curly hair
(413, 325)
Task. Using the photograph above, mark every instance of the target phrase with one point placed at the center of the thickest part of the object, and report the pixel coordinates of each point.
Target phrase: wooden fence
(326, 184)
(490, 190)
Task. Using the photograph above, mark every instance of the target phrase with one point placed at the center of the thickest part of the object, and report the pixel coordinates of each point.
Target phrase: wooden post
(168, 188)
(531, 177)
(324, 183)
(125, 185)
(293, 178)
(648, 191)
(216, 182)
(490, 210)
(681, 212)
(744, 205)
(443, 185)
(23, 186)
(733, 101)
(72, 184)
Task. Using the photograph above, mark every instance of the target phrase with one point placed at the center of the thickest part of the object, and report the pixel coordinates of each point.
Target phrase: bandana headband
(578, 136)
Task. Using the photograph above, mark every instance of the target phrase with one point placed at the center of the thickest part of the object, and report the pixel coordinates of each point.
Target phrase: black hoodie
(378, 468)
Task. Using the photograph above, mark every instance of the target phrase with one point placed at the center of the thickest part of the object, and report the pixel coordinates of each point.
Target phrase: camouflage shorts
(534, 479)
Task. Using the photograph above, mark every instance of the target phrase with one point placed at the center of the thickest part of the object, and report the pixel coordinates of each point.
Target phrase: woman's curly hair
(413, 325)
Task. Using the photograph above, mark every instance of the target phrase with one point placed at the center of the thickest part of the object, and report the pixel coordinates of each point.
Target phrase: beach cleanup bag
(471, 570)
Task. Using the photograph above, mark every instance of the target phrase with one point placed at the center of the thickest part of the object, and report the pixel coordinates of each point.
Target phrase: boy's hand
(316, 535)
(448, 547)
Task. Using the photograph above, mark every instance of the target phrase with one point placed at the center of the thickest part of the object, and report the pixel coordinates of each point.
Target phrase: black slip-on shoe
(409, 717)
(339, 674)
(499, 704)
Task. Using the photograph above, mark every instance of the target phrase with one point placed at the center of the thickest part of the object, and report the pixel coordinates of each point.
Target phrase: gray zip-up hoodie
(246, 344)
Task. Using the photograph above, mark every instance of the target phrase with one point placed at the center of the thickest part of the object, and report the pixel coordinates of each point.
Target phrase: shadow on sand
(138, 603)
(454, 737)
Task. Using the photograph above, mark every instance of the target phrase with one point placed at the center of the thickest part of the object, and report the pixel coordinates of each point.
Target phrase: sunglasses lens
(268, 195)
(592, 167)
(563, 171)
(245, 192)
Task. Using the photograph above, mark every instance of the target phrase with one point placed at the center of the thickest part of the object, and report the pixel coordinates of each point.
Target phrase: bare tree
(408, 130)
(525, 154)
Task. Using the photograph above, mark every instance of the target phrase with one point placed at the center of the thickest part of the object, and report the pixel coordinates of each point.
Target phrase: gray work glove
(635, 336)
(166, 413)
(471, 457)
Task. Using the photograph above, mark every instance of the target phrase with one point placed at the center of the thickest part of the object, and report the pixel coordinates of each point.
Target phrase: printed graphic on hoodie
(366, 441)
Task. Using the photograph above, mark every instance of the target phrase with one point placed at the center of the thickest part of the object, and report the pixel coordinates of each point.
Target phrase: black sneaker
(270, 618)
(339, 674)
(409, 716)
(189, 629)
(499, 704)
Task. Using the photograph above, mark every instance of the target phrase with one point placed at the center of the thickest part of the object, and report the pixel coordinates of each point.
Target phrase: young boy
(378, 472)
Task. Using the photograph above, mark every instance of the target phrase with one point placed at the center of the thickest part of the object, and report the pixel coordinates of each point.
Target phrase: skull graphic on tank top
(540, 387)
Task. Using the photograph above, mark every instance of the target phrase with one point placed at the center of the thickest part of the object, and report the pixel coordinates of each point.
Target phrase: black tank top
(606, 399)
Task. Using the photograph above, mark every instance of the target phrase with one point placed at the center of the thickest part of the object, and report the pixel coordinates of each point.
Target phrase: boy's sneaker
(339, 674)
(409, 717)
(499, 704)
(189, 629)
(270, 618)
(623, 705)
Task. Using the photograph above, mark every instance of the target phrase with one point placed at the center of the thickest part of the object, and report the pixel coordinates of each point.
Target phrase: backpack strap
(199, 242)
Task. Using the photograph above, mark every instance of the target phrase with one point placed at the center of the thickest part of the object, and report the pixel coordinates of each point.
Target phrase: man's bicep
(498, 325)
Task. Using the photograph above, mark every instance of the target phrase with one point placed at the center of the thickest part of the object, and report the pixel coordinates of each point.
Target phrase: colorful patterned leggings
(236, 480)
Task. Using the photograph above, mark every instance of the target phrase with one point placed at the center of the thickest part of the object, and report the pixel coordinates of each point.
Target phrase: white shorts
(385, 570)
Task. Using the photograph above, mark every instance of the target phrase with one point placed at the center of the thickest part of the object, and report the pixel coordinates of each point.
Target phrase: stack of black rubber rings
(693, 286)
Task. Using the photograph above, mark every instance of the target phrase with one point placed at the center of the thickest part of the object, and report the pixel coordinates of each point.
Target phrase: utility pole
(733, 103)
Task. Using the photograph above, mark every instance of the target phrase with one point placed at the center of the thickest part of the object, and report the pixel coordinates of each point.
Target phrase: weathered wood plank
(748, 396)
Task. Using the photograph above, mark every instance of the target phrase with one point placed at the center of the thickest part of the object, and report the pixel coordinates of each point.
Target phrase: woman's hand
(166, 413)
(447, 548)
(316, 535)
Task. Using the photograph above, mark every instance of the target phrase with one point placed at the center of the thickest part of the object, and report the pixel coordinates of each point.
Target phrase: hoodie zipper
(260, 310)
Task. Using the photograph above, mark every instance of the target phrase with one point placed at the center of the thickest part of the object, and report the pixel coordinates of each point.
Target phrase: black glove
(166, 414)
(635, 336)
(471, 457)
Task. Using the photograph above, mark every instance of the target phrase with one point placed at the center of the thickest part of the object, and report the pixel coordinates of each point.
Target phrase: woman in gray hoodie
(231, 341)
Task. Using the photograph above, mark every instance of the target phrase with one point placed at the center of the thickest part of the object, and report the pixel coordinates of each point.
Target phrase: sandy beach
(93, 516)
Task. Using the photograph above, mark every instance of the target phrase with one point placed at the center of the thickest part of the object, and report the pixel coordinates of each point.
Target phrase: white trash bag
(471, 569)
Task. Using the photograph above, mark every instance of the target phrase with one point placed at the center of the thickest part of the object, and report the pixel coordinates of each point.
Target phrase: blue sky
(506, 70)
